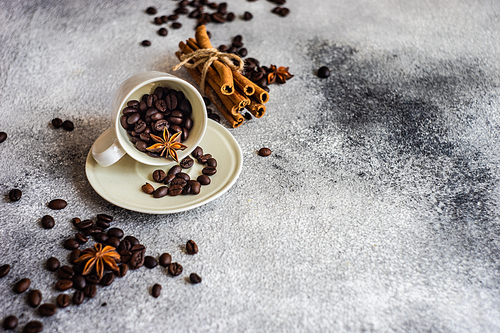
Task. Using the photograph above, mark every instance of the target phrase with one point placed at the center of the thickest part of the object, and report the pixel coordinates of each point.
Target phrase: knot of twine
(207, 57)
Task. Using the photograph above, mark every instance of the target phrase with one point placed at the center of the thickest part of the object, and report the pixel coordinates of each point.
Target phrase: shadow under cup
(198, 115)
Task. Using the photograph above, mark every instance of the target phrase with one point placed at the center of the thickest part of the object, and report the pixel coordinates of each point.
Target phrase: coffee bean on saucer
(197, 152)
(175, 190)
(204, 158)
(186, 162)
(150, 262)
(63, 300)
(191, 247)
(195, 186)
(323, 72)
(158, 175)
(53, 264)
(156, 291)
(183, 175)
(212, 162)
(168, 179)
(209, 171)
(34, 298)
(22, 285)
(146, 43)
(264, 152)
(33, 326)
(57, 204)
(57, 122)
(48, 222)
(10, 322)
(160, 192)
(194, 278)
(175, 269)
(15, 194)
(148, 188)
(203, 179)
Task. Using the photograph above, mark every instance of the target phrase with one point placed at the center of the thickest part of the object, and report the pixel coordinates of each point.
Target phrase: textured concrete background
(378, 210)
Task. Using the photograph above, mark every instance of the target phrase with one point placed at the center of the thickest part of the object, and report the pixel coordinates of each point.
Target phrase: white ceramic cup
(115, 142)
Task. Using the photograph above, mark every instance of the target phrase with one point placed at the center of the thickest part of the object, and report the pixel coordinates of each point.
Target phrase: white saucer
(121, 183)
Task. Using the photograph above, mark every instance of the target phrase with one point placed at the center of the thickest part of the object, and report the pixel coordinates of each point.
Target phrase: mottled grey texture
(377, 211)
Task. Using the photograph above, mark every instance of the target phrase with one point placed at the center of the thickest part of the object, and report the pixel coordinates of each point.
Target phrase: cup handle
(106, 150)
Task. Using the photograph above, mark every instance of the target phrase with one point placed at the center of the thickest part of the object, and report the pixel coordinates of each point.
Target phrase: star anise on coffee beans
(167, 145)
(97, 257)
(279, 74)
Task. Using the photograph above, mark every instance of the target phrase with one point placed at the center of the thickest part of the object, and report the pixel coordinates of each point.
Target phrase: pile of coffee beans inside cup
(165, 108)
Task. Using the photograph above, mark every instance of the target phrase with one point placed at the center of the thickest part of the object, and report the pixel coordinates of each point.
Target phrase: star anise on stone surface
(279, 75)
(167, 145)
(98, 257)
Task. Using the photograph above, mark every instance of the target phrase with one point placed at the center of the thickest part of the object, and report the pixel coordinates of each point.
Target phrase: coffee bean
(47, 310)
(57, 204)
(4, 270)
(151, 10)
(175, 190)
(71, 244)
(22, 285)
(92, 231)
(78, 297)
(158, 175)
(156, 291)
(195, 187)
(171, 101)
(178, 181)
(323, 72)
(186, 162)
(64, 284)
(194, 278)
(79, 282)
(68, 125)
(107, 279)
(48, 222)
(90, 290)
(15, 194)
(105, 217)
(84, 225)
(146, 43)
(183, 175)
(124, 245)
(160, 192)
(247, 16)
(57, 122)
(101, 238)
(33, 326)
(176, 25)
(10, 322)
(264, 152)
(186, 189)
(150, 262)
(53, 264)
(165, 259)
(148, 188)
(63, 300)
(137, 247)
(132, 240)
(243, 52)
(115, 232)
(137, 259)
(175, 269)
(173, 17)
(123, 270)
(191, 247)
(113, 241)
(34, 298)
(209, 171)
(204, 158)
(92, 279)
(74, 255)
(203, 179)
(66, 272)
(284, 12)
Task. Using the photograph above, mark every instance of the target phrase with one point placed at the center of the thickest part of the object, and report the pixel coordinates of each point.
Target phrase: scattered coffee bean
(323, 72)
(191, 247)
(92, 279)
(90, 290)
(105, 217)
(64, 284)
(78, 297)
(102, 224)
(212, 162)
(165, 259)
(85, 225)
(160, 192)
(66, 272)
(209, 171)
(48, 222)
(150, 262)
(158, 175)
(175, 190)
(68, 125)
(33, 326)
(123, 270)
(203, 179)
(194, 278)
(79, 282)
(22, 285)
(75, 254)
(156, 291)
(132, 240)
(175, 269)
(176, 25)
(57, 204)
(71, 244)
(101, 238)
(195, 186)
(113, 241)
(151, 10)
(63, 300)
(146, 43)
(197, 152)
(10, 322)
(4, 270)
(163, 32)
(137, 259)
(148, 188)
(204, 158)
(53, 264)
(34, 298)
(168, 179)
(107, 279)
(93, 231)
(57, 122)
(214, 117)
(115, 232)
(175, 170)
(81, 238)
(15, 194)
(47, 310)
(247, 16)
(264, 151)
(187, 162)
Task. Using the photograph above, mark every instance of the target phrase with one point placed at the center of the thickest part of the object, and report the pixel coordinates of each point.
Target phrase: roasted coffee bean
(212, 162)
(75, 254)
(115, 232)
(129, 110)
(175, 170)
(148, 188)
(161, 105)
(176, 25)
(34, 298)
(53, 264)
(71, 244)
(165, 259)
(185, 107)
(146, 43)
(68, 125)
(92, 279)
(247, 16)
(137, 259)
(124, 245)
(15, 194)
(105, 217)
(186, 162)
(160, 125)
(178, 182)
(47, 310)
(66, 272)
(186, 189)
(90, 290)
(183, 175)
(123, 270)
(173, 17)
(4, 270)
(107, 279)
(243, 52)
(137, 247)
(150, 262)
(132, 240)
(151, 100)
(204, 158)
(168, 179)
(264, 152)
(78, 297)
(57, 122)
(33, 326)
(197, 152)
(203, 179)
(10, 322)
(93, 231)
(191, 247)
(175, 190)
(160, 192)
(323, 72)
(133, 104)
(174, 121)
(141, 145)
(151, 10)
(64, 284)
(48, 222)
(195, 187)
(143, 106)
(101, 237)
(63, 300)
(209, 171)
(284, 12)
(75, 221)
(171, 101)
(158, 175)
(133, 118)
(57, 204)
(113, 241)
(123, 121)
(175, 269)
(156, 291)
(102, 224)
(188, 123)
(84, 225)
(21, 286)
(194, 278)
(79, 282)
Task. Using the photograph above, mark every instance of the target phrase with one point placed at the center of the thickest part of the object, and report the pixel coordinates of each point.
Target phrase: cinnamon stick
(256, 109)
(260, 94)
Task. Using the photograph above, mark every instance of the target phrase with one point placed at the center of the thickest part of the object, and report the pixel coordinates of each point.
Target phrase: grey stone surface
(377, 211)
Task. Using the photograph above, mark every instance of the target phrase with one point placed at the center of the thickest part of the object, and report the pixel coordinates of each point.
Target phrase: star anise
(167, 145)
(97, 257)
(279, 74)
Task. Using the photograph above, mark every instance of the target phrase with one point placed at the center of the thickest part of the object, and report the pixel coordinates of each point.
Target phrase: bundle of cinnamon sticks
(228, 89)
